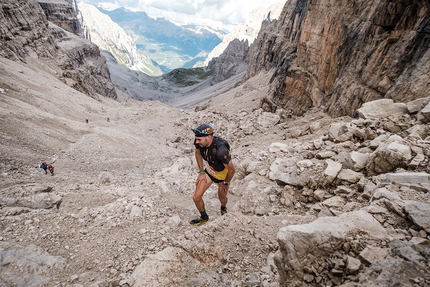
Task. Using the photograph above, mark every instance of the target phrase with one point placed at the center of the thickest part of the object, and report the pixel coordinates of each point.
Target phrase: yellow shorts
(217, 176)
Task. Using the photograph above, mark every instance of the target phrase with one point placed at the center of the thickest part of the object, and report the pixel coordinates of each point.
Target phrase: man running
(216, 152)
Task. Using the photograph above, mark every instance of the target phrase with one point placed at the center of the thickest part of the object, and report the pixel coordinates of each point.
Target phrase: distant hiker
(51, 169)
(44, 166)
(216, 152)
(86, 120)
(47, 167)
(108, 119)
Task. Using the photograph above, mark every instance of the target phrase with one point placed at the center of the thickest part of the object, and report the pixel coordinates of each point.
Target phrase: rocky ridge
(63, 14)
(247, 31)
(28, 36)
(231, 62)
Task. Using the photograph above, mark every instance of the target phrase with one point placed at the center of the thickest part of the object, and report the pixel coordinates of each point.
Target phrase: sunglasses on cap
(203, 133)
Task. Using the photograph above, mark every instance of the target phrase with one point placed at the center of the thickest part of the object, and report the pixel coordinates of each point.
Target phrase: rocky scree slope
(313, 201)
(116, 213)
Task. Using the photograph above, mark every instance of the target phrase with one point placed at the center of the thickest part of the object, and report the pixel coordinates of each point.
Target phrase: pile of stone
(352, 195)
(367, 180)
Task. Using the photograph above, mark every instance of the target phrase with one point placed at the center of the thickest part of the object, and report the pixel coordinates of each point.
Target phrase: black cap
(203, 130)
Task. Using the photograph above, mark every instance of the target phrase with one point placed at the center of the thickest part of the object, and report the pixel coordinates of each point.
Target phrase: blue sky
(220, 14)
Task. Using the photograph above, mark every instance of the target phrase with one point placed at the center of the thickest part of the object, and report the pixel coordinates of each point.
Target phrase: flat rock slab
(419, 212)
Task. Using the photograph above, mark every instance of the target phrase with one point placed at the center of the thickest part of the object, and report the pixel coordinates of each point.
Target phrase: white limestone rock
(300, 244)
(382, 108)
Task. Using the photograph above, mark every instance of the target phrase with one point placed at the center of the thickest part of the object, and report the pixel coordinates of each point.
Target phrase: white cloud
(221, 14)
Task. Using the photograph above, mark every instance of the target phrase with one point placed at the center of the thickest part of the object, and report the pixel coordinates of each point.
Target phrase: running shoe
(199, 221)
(223, 211)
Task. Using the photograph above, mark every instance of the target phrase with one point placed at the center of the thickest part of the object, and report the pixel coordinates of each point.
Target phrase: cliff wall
(23, 27)
(62, 14)
(231, 62)
(27, 35)
(338, 55)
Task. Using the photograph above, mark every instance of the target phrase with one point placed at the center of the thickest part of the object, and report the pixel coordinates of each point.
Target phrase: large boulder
(424, 114)
(336, 130)
(36, 201)
(419, 212)
(388, 157)
(285, 171)
(417, 105)
(382, 108)
(267, 120)
(159, 268)
(346, 176)
(29, 266)
(332, 170)
(406, 178)
(357, 161)
(302, 245)
(388, 272)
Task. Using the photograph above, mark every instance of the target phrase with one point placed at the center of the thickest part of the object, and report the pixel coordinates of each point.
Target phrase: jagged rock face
(230, 61)
(62, 14)
(83, 68)
(25, 32)
(23, 27)
(343, 54)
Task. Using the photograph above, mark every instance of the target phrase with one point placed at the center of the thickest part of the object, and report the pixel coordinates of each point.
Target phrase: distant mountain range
(110, 37)
(157, 46)
(162, 45)
(170, 45)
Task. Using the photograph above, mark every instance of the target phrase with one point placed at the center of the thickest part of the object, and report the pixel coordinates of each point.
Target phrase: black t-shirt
(217, 154)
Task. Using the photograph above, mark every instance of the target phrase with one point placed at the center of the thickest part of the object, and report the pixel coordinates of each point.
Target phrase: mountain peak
(248, 30)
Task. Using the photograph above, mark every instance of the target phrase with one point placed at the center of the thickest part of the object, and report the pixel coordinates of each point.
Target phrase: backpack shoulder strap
(220, 142)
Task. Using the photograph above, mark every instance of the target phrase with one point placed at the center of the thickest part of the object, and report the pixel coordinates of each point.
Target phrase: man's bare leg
(222, 194)
(201, 186)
